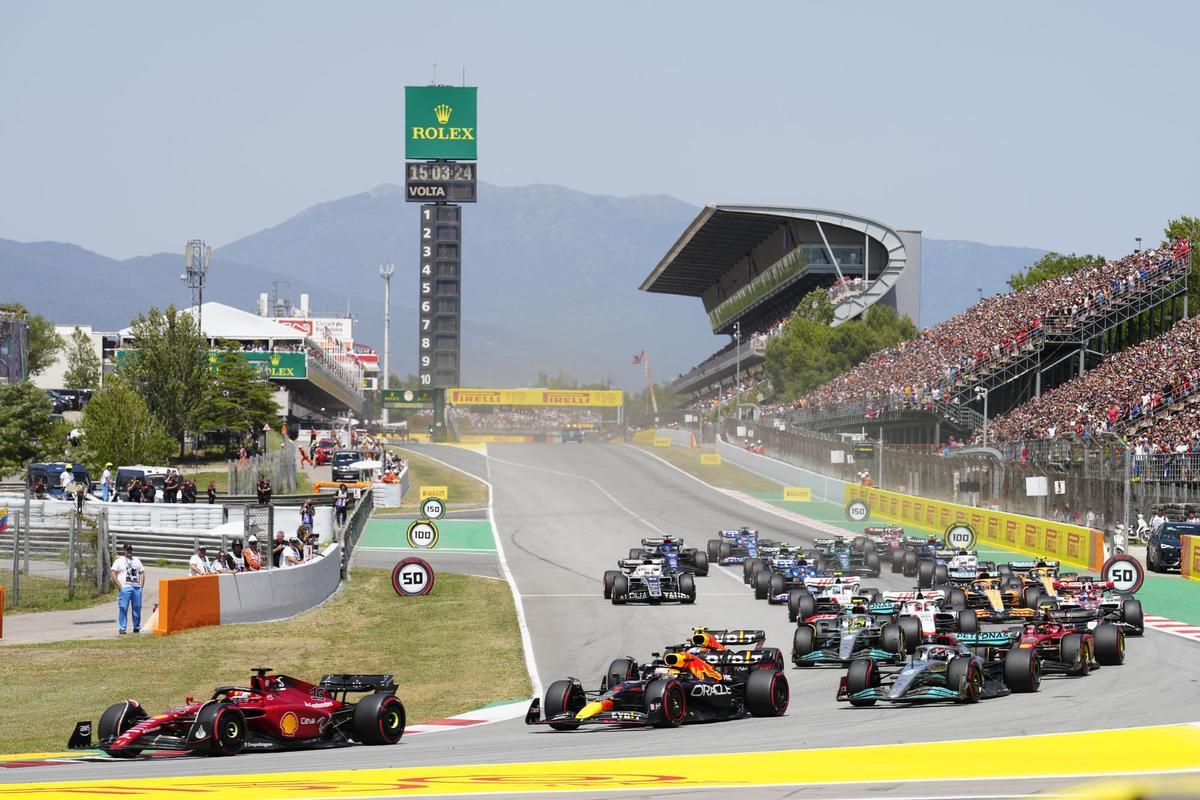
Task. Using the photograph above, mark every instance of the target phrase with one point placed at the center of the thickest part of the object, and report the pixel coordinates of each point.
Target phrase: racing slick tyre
(1131, 615)
(891, 638)
(860, 544)
(666, 703)
(637, 553)
(619, 671)
(1073, 651)
(762, 584)
(714, 549)
(767, 693)
(725, 551)
(1109, 640)
(228, 726)
(871, 562)
(777, 586)
(118, 718)
(561, 698)
(620, 588)
(956, 598)
(910, 563)
(1031, 596)
(941, 574)
(701, 562)
(968, 620)
(804, 641)
(378, 719)
(1022, 670)
(897, 560)
(801, 605)
(925, 571)
(687, 585)
(610, 575)
(912, 632)
(749, 567)
(861, 675)
(873, 594)
(964, 672)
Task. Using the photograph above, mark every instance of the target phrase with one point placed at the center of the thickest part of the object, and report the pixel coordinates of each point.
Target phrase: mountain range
(550, 280)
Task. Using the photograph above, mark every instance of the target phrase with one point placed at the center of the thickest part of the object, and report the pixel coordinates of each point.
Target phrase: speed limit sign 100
(960, 536)
(422, 534)
(1125, 573)
(412, 577)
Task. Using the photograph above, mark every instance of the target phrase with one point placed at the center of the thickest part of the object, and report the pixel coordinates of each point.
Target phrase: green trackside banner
(280, 365)
(439, 122)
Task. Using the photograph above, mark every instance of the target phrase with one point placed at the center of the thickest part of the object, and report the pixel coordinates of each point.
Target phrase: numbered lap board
(440, 296)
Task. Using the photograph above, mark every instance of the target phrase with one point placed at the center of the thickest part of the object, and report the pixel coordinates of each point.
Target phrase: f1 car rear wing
(737, 533)
(357, 683)
(740, 658)
(632, 563)
(933, 595)
(655, 541)
(850, 582)
(731, 636)
(988, 639)
(1084, 585)
(1023, 566)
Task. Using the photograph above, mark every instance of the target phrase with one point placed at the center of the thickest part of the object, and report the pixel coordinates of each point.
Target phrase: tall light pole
(982, 392)
(1138, 239)
(385, 272)
(737, 371)
(196, 257)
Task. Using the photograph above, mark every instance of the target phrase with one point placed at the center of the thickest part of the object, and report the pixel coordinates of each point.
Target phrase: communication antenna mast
(196, 258)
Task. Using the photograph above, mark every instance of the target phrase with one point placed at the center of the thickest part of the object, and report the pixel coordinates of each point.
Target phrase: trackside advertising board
(603, 398)
(1189, 557)
(1073, 544)
(439, 122)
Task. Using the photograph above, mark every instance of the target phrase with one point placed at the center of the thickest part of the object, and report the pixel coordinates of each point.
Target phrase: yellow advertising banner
(710, 458)
(1189, 558)
(580, 398)
(662, 441)
(798, 494)
(440, 492)
(1073, 544)
(644, 437)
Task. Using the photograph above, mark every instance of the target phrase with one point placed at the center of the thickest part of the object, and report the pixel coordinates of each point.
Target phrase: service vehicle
(1164, 545)
(275, 712)
(342, 465)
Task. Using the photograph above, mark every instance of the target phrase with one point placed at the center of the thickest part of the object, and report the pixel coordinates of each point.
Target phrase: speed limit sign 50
(1125, 572)
(412, 577)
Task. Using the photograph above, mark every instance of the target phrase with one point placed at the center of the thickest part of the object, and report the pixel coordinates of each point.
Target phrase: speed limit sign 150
(412, 577)
(858, 511)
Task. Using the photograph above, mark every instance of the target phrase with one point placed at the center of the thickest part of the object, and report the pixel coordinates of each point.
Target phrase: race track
(564, 513)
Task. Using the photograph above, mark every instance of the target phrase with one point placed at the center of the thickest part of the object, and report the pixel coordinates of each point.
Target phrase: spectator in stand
(106, 483)
(129, 575)
(222, 563)
(252, 558)
(291, 556)
(263, 487)
(171, 487)
(307, 514)
(148, 491)
(39, 489)
(212, 493)
(341, 503)
(277, 548)
(199, 564)
(188, 491)
(237, 556)
(135, 490)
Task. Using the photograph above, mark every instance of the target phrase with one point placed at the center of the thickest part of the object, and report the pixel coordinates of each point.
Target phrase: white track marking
(522, 623)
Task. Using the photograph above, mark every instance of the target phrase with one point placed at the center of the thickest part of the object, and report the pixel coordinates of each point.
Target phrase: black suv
(1162, 550)
(342, 459)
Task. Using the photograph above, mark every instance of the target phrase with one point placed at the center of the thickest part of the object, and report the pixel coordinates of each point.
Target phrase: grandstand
(751, 265)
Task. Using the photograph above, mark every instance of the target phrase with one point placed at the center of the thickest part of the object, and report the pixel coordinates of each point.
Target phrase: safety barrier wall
(190, 602)
(678, 438)
(1189, 558)
(823, 487)
(279, 593)
(1072, 544)
(187, 516)
(645, 437)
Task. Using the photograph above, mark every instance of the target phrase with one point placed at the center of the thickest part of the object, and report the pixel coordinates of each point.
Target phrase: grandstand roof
(226, 322)
(721, 235)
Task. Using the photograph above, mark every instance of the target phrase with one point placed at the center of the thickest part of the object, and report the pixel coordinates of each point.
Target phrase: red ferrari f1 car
(274, 712)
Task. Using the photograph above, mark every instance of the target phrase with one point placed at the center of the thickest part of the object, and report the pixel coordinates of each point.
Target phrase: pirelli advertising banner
(579, 398)
(1072, 544)
(1189, 557)
(439, 122)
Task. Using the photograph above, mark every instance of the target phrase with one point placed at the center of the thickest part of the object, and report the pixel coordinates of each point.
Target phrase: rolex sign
(439, 122)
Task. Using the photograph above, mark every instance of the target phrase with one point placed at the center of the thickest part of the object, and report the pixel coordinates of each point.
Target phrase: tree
(1052, 265)
(168, 366)
(118, 427)
(239, 399)
(25, 425)
(42, 341)
(83, 365)
(1188, 228)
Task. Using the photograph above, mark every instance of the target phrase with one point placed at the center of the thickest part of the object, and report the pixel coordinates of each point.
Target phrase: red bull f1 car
(702, 682)
(273, 712)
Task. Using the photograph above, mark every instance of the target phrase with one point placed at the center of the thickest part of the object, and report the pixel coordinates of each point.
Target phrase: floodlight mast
(196, 258)
(385, 272)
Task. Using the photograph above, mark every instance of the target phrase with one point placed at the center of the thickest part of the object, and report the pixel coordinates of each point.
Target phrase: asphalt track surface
(566, 513)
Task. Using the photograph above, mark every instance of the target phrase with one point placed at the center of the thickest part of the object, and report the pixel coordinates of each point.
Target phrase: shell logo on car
(288, 724)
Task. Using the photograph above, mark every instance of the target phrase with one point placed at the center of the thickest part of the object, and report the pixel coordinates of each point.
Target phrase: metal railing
(355, 525)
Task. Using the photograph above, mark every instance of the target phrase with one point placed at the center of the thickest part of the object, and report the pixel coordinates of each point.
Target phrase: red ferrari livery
(274, 712)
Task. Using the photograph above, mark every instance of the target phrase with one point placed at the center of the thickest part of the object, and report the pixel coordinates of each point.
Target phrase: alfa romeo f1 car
(942, 670)
(1087, 603)
(676, 557)
(273, 712)
(702, 683)
(647, 580)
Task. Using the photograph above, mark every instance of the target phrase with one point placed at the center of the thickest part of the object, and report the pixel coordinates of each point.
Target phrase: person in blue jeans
(129, 576)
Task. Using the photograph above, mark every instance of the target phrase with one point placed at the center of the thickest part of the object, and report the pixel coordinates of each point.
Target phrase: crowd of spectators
(520, 420)
(1130, 389)
(715, 395)
(285, 552)
(930, 367)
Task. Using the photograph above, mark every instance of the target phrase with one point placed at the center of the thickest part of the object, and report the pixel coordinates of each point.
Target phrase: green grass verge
(464, 491)
(452, 651)
(39, 593)
(723, 475)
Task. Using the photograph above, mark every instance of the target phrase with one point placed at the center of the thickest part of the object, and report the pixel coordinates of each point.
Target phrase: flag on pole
(638, 358)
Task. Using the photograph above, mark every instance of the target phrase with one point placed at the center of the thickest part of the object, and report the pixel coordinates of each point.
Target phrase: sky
(131, 127)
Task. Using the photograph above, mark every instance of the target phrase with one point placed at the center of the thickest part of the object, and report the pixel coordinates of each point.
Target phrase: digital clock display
(439, 182)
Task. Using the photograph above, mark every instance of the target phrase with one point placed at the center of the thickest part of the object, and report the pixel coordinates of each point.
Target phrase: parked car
(341, 461)
(154, 475)
(1162, 549)
(50, 474)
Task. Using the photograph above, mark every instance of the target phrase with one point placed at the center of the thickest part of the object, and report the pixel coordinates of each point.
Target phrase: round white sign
(1125, 573)
(412, 577)
(422, 534)
(433, 508)
(960, 536)
(858, 511)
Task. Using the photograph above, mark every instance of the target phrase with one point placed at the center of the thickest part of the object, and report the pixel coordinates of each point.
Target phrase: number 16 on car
(412, 577)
